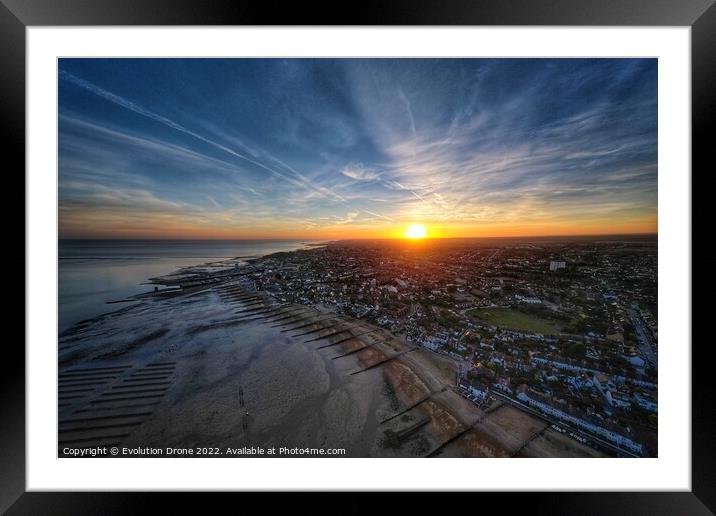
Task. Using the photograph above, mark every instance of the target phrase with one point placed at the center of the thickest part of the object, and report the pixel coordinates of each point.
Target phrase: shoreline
(355, 367)
(402, 399)
(91, 276)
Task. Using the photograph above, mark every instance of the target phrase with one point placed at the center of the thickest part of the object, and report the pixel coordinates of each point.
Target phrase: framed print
(407, 251)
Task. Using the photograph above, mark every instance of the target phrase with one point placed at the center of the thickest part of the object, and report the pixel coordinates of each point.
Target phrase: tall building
(553, 266)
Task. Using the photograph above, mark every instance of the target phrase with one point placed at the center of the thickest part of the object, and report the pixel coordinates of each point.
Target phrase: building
(531, 300)
(613, 437)
(553, 265)
(477, 394)
(645, 403)
(435, 342)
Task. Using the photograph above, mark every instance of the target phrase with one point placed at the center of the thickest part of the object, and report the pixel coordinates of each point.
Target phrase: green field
(514, 320)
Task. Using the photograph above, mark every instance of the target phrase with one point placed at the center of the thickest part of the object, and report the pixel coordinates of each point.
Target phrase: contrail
(379, 215)
(128, 104)
(408, 109)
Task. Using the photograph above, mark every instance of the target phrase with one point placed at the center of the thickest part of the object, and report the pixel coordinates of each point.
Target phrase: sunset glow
(356, 148)
(416, 231)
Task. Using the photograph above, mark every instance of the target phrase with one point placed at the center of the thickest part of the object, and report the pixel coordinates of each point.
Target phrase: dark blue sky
(327, 148)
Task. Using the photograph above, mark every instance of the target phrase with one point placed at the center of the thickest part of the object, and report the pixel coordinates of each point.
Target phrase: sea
(92, 273)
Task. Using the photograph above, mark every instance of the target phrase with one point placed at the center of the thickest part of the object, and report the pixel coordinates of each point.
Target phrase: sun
(416, 231)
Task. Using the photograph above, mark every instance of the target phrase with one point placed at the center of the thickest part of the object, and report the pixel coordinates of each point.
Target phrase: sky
(356, 148)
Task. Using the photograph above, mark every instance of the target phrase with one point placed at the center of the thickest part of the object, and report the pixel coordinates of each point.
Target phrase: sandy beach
(226, 368)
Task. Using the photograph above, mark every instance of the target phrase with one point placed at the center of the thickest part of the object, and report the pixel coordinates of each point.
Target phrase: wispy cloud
(316, 147)
(298, 180)
(360, 173)
(409, 111)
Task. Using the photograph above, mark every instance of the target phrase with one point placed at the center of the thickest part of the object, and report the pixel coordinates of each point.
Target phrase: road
(593, 440)
(646, 345)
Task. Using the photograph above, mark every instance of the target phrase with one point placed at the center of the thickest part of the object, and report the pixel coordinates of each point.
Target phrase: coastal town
(422, 257)
(563, 329)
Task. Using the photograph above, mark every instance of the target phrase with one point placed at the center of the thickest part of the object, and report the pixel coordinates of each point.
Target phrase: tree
(577, 350)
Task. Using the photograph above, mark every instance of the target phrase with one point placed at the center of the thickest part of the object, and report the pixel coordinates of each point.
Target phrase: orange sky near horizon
(330, 149)
(188, 231)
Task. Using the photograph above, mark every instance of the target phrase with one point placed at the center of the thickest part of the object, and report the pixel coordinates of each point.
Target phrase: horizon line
(160, 239)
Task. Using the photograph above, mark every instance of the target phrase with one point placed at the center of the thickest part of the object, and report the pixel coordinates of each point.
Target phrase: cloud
(358, 172)
(409, 111)
(364, 142)
(299, 180)
(350, 217)
(384, 217)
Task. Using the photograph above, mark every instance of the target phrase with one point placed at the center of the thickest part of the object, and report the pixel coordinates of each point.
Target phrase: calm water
(91, 273)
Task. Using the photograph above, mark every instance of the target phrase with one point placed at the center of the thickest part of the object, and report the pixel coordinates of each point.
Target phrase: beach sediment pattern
(99, 406)
(229, 366)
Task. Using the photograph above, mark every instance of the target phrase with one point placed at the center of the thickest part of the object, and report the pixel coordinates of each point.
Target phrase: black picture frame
(17, 15)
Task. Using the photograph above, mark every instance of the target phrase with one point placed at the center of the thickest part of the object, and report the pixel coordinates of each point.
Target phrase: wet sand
(223, 367)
